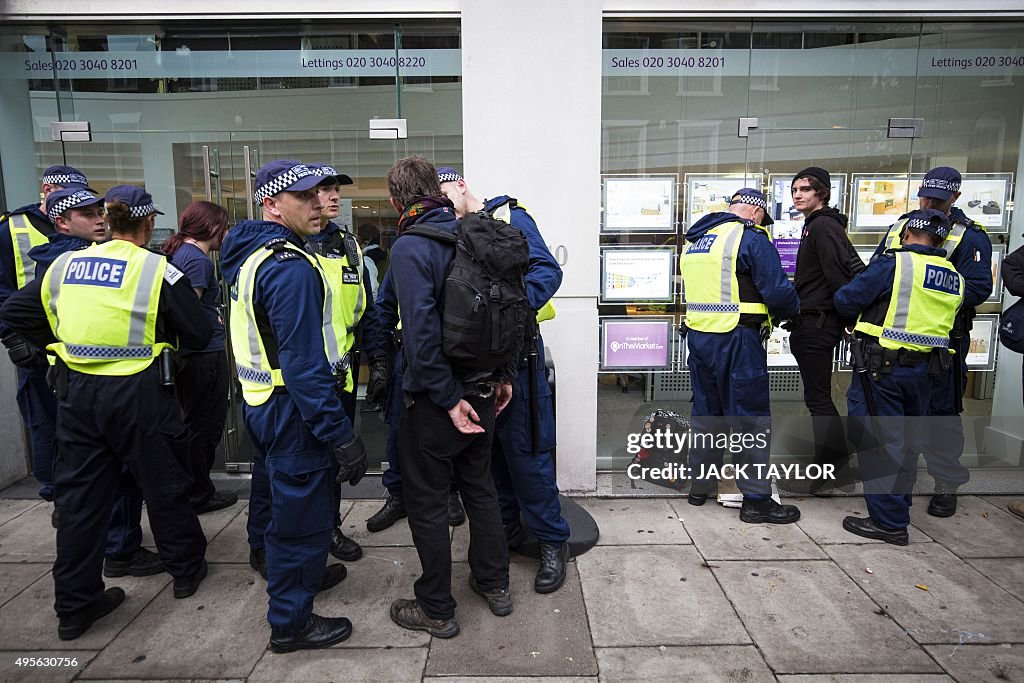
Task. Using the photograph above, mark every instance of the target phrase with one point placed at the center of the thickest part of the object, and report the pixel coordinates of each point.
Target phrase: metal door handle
(206, 173)
(247, 161)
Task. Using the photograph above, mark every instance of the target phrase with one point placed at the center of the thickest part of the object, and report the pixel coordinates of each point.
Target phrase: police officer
(907, 299)
(21, 230)
(108, 312)
(734, 286)
(521, 462)
(342, 262)
(969, 249)
(825, 262)
(76, 228)
(284, 347)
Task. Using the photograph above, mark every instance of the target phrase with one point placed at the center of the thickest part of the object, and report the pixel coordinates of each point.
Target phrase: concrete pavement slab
(672, 664)
(212, 522)
(724, 537)
(546, 635)
(510, 679)
(809, 617)
(30, 537)
(232, 544)
(978, 529)
(625, 521)
(365, 597)
(354, 526)
(14, 578)
(28, 621)
(662, 595)
(863, 678)
(220, 632)
(50, 666)
(960, 603)
(350, 664)
(9, 509)
(981, 663)
(822, 520)
(1006, 573)
(1002, 501)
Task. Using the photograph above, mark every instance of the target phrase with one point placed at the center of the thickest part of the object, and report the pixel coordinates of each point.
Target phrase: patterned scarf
(420, 206)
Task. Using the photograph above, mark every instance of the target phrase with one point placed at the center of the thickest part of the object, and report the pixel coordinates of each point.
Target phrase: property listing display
(645, 219)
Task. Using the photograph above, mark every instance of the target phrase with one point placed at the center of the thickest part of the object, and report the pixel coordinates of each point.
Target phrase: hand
(23, 353)
(503, 394)
(380, 379)
(465, 418)
(352, 462)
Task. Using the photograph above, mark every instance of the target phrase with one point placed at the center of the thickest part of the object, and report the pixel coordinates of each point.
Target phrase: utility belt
(880, 360)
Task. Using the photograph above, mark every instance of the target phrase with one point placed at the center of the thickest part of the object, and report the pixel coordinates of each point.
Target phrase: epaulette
(281, 252)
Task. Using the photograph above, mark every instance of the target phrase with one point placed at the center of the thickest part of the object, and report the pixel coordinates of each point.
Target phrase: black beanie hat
(815, 172)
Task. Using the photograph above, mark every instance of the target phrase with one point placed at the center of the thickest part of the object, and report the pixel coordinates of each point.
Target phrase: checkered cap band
(324, 171)
(922, 224)
(283, 182)
(142, 211)
(448, 177)
(940, 184)
(63, 179)
(70, 202)
(750, 199)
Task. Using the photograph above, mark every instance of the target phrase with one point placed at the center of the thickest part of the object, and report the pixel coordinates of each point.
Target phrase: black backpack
(1011, 327)
(486, 315)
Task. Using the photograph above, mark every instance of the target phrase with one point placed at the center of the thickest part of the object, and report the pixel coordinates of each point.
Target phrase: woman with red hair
(202, 382)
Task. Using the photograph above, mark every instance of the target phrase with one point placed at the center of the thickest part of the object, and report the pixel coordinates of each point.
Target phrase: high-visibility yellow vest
(348, 300)
(504, 213)
(711, 287)
(257, 374)
(926, 294)
(102, 306)
(24, 236)
(952, 241)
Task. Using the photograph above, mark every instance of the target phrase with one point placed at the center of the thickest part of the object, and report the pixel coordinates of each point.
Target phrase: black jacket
(1013, 272)
(823, 262)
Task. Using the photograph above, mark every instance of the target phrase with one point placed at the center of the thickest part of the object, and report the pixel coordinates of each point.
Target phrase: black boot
(866, 527)
(343, 547)
(767, 511)
(141, 562)
(392, 511)
(943, 503)
(699, 492)
(319, 632)
(456, 514)
(551, 573)
(78, 623)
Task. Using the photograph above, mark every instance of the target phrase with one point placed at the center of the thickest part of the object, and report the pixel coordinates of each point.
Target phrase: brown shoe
(1017, 508)
(408, 614)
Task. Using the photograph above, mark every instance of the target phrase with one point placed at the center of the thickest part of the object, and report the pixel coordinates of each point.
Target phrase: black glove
(352, 462)
(380, 378)
(23, 353)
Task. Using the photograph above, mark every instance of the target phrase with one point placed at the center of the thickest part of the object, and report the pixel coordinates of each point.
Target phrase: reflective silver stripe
(906, 288)
(246, 289)
(359, 304)
(28, 267)
(56, 274)
(330, 340)
(954, 237)
(143, 294)
(108, 352)
(728, 267)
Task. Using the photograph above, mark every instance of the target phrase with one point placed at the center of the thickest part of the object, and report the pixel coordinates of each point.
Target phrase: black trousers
(202, 387)
(814, 348)
(430, 450)
(104, 423)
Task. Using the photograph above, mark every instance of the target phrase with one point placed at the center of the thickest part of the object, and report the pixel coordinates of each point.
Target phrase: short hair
(368, 232)
(821, 190)
(411, 178)
(935, 240)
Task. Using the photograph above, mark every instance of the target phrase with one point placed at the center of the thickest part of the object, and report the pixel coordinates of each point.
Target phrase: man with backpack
(452, 393)
(522, 465)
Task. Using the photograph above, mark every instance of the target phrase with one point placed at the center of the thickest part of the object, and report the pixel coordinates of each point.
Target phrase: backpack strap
(433, 233)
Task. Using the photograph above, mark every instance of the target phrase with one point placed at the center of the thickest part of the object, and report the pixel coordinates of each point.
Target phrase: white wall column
(531, 100)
